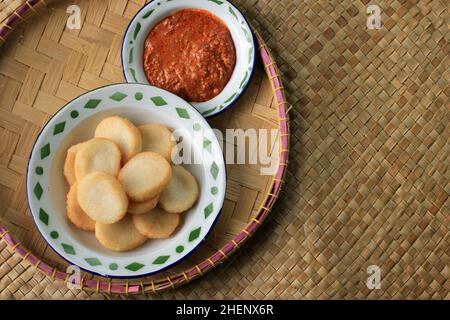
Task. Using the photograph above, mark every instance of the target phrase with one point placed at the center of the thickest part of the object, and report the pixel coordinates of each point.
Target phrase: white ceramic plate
(155, 11)
(74, 123)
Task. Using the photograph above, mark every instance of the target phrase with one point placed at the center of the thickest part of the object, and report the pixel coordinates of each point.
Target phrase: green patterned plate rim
(155, 11)
(74, 123)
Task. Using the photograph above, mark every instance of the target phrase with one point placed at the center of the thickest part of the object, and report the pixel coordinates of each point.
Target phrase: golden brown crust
(102, 197)
(97, 155)
(102, 193)
(157, 138)
(69, 165)
(119, 236)
(182, 192)
(123, 133)
(157, 223)
(143, 207)
(75, 214)
(145, 176)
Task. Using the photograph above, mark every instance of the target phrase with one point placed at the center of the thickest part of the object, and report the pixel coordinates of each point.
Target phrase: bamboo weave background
(368, 179)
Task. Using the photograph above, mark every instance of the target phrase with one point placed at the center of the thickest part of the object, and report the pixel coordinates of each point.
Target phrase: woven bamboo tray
(61, 64)
(368, 178)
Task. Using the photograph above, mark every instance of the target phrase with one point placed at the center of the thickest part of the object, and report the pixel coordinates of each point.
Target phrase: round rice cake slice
(157, 223)
(182, 192)
(119, 236)
(157, 138)
(97, 155)
(123, 133)
(142, 207)
(69, 165)
(75, 214)
(102, 197)
(145, 176)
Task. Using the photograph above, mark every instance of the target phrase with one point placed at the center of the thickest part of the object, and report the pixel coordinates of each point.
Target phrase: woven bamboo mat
(368, 179)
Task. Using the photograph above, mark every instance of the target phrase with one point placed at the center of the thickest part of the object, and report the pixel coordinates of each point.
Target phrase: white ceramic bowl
(74, 123)
(155, 11)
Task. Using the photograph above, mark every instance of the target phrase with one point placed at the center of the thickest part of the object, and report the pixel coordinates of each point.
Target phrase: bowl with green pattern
(75, 123)
(134, 42)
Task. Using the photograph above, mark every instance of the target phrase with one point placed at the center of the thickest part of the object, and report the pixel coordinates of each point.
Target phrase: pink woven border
(221, 254)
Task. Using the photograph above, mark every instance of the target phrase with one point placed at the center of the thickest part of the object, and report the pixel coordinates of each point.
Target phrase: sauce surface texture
(191, 54)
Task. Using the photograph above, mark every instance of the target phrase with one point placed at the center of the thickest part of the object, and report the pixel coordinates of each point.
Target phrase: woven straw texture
(89, 58)
(368, 178)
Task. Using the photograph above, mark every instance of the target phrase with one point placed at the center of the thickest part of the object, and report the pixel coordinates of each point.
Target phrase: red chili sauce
(191, 54)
